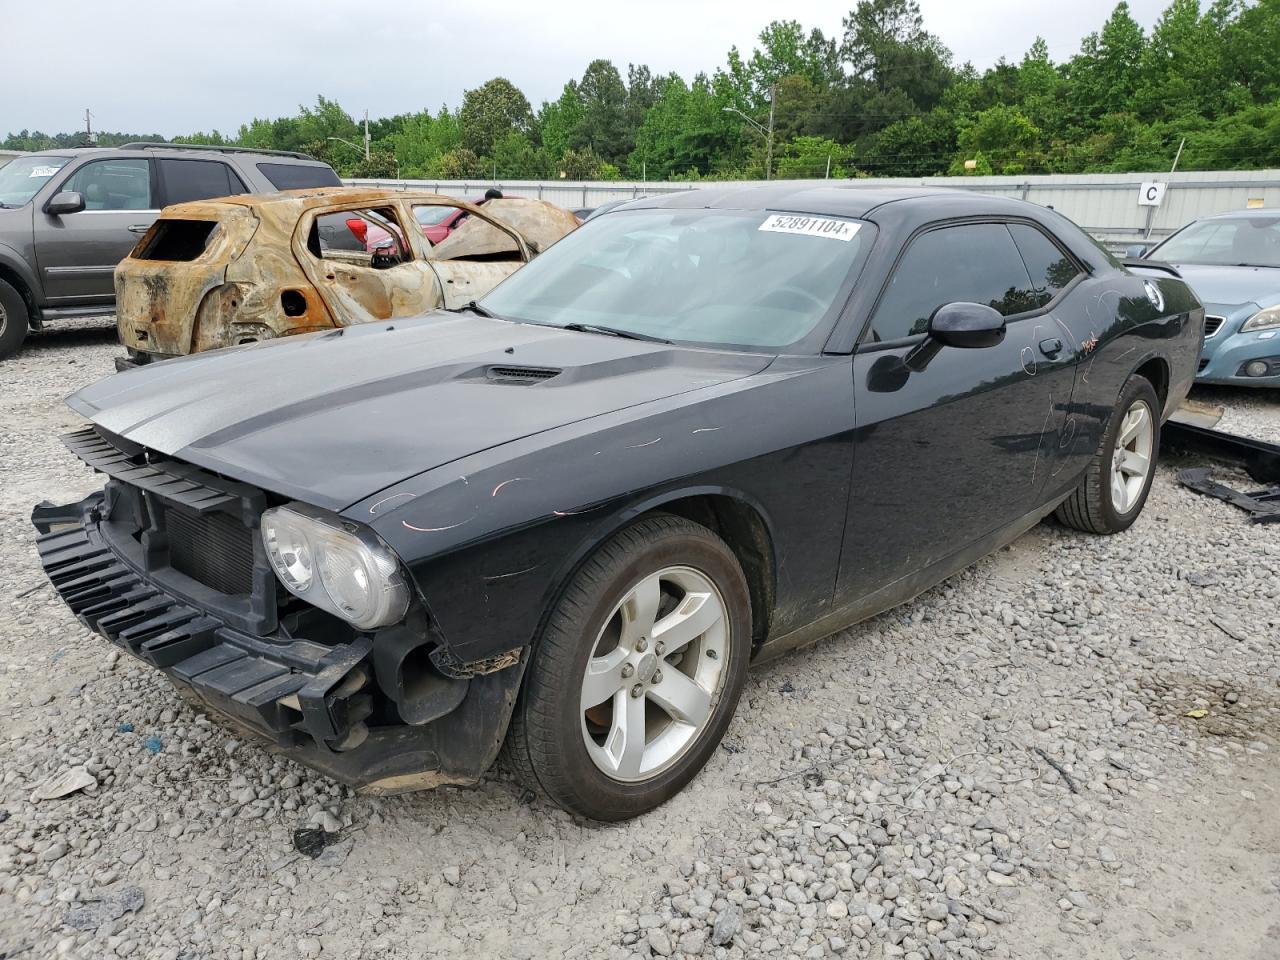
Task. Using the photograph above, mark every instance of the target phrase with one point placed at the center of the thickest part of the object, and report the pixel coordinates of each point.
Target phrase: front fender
(493, 539)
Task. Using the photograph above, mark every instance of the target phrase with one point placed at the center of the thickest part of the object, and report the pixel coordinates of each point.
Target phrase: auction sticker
(810, 226)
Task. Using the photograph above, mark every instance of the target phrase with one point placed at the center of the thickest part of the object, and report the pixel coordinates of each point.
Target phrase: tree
(516, 158)
(1006, 138)
(558, 120)
(490, 112)
(460, 164)
(602, 126)
(887, 48)
(916, 146)
(785, 51)
(812, 157)
(1102, 78)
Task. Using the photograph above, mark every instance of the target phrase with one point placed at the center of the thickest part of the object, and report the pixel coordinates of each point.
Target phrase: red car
(436, 223)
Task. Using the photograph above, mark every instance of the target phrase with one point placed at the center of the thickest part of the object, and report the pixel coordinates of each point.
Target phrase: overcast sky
(180, 66)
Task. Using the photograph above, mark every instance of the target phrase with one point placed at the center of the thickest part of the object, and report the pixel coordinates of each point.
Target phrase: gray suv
(67, 217)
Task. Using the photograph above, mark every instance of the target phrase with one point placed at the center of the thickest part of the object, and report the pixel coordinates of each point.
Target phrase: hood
(1232, 285)
(331, 418)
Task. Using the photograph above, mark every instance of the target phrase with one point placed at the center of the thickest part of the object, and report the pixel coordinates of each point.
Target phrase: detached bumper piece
(310, 692)
(1263, 506)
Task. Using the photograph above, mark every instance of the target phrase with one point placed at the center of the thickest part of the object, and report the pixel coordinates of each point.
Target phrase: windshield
(428, 216)
(749, 279)
(1241, 241)
(22, 178)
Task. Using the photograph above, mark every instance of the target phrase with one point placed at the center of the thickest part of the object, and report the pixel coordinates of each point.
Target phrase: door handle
(1051, 347)
(139, 227)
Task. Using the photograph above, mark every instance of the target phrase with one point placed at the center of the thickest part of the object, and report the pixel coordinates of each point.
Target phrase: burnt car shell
(217, 273)
(494, 457)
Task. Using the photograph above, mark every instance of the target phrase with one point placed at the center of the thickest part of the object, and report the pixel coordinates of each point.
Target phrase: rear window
(298, 176)
(177, 240)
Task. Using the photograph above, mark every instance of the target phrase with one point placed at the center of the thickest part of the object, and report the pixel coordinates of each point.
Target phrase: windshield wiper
(475, 308)
(613, 332)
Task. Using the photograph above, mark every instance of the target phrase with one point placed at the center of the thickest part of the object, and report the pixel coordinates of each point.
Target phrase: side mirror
(66, 202)
(1135, 250)
(965, 325)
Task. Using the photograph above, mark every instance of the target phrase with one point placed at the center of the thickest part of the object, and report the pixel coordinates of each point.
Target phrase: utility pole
(366, 134)
(773, 102)
(88, 127)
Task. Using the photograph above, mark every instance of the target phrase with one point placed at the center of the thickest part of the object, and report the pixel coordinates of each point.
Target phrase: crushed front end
(166, 562)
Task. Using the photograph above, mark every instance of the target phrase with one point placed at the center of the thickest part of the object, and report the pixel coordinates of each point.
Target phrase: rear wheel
(13, 320)
(1115, 485)
(637, 673)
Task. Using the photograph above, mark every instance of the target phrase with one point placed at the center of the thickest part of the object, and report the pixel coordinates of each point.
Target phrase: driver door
(950, 454)
(78, 252)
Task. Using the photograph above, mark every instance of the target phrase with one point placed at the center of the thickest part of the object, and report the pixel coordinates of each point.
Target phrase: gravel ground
(1070, 750)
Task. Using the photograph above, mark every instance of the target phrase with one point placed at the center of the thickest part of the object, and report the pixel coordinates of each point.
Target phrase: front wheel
(1115, 485)
(637, 673)
(13, 320)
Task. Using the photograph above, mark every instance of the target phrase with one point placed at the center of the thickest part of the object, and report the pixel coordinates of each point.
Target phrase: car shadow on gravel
(80, 334)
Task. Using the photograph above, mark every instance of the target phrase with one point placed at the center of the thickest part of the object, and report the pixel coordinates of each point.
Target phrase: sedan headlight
(335, 565)
(1267, 319)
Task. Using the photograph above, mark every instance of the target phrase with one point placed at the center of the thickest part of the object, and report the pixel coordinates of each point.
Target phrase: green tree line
(884, 98)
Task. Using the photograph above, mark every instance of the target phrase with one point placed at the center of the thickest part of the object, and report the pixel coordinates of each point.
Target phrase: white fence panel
(1105, 204)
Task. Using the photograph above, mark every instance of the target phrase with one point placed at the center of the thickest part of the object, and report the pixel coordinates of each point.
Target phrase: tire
(1097, 505)
(659, 572)
(13, 320)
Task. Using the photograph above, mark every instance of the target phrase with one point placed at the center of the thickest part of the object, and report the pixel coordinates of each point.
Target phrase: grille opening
(522, 374)
(215, 549)
(178, 240)
(1211, 325)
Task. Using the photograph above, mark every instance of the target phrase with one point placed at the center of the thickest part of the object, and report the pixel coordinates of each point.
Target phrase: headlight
(1267, 319)
(335, 565)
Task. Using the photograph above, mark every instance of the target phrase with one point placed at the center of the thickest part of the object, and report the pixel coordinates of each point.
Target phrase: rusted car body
(242, 269)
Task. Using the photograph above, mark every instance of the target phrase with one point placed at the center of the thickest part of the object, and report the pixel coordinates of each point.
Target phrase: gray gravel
(1069, 750)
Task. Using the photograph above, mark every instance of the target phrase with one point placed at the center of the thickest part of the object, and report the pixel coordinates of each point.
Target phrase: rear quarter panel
(1119, 331)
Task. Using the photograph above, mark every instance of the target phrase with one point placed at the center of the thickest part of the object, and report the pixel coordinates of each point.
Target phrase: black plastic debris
(1263, 506)
(310, 841)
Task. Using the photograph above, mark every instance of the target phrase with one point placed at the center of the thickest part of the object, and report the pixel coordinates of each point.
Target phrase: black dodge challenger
(702, 430)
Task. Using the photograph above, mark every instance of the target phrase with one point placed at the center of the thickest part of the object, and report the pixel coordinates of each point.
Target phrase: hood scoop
(522, 376)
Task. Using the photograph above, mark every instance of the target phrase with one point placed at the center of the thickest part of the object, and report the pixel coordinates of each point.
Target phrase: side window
(455, 234)
(975, 263)
(370, 237)
(1050, 268)
(123, 184)
(297, 176)
(197, 180)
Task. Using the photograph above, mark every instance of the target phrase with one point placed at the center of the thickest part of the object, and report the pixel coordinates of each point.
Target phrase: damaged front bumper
(320, 702)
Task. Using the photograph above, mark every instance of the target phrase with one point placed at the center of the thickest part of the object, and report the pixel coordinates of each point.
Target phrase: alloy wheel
(1132, 458)
(655, 674)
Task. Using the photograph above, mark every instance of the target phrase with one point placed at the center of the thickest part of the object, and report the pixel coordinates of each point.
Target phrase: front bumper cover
(310, 700)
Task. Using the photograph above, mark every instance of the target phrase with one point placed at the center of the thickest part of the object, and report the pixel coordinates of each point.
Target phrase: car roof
(179, 149)
(1254, 213)
(833, 199)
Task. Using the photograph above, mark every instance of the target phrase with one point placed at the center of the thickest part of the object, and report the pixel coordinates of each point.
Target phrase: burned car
(243, 269)
(700, 431)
